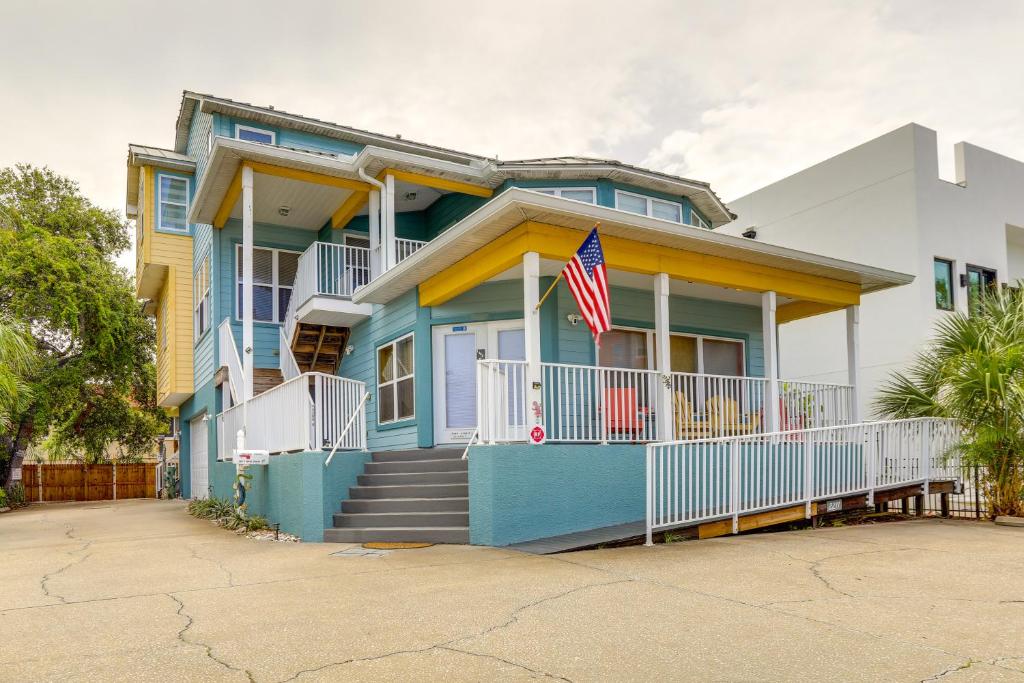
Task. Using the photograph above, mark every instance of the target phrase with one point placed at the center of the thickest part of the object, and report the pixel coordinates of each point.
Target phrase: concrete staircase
(417, 495)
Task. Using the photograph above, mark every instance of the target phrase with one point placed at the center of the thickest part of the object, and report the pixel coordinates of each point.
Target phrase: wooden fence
(88, 482)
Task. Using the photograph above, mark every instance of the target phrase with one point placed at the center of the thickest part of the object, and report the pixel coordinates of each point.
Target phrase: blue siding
(203, 357)
(287, 137)
(449, 210)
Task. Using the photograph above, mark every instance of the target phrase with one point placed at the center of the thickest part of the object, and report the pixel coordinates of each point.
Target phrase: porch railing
(697, 481)
(229, 358)
(326, 269)
(584, 404)
(405, 248)
(307, 412)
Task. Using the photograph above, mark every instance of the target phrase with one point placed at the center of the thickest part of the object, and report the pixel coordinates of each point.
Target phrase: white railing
(289, 368)
(228, 353)
(600, 405)
(326, 269)
(308, 412)
(405, 248)
(695, 481)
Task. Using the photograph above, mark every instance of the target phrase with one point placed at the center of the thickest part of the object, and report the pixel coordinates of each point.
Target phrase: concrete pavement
(139, 590)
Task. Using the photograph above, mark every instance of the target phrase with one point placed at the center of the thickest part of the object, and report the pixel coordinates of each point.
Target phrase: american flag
(588, 282)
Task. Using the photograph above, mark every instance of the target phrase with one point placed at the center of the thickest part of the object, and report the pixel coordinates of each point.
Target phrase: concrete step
(401, 519)
(411, 491)
(408, 466)
(405, 505)
(413, 478)
(398, 535)
(419, 454)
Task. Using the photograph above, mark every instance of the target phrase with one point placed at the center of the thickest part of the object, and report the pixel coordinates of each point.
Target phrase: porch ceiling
(483, 245)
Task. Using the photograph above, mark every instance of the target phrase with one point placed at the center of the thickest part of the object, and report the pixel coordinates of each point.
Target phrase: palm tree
(973, 372)
(17, 358)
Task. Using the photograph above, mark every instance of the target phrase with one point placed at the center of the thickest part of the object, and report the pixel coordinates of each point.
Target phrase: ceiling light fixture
(284, 210)
(410, 196)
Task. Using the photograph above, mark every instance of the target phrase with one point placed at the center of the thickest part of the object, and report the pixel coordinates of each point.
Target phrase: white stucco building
(883, 204)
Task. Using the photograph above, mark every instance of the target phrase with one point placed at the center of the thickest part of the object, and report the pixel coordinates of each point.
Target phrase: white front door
(199, 470)
(456, 349)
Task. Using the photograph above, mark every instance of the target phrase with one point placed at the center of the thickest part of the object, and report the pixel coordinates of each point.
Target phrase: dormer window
(580, 194)
(250, 134)
(173, 204)
(649, 206)
(696, 220)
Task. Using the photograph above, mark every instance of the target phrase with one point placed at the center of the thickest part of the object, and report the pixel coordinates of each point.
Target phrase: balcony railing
(327, 269)
(405, 248)
(586, 404)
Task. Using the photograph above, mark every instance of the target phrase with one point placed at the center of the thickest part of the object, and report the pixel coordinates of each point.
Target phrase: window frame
(253, 129)
(160, 203)
(982, 271)
(951, 267)
(701, 223)
(275, 285)
(201, 299)
(394, 381)
(651, 342)
(650, 205)
(557, 192)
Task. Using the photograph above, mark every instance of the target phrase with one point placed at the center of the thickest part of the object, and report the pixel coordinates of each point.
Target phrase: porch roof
(633, 243)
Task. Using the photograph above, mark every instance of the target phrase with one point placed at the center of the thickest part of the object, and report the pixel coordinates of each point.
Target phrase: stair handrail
(289, 368)
(229, 358)
(465, 453)
(355, 414)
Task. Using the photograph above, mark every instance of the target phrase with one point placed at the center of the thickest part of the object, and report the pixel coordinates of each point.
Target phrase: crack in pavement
(75, 559)
(189, 621)
(217, 563)
(447, 645)
(950, 670)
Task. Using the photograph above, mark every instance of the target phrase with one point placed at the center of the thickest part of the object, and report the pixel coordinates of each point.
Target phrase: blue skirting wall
(519, 492)
(295, 490)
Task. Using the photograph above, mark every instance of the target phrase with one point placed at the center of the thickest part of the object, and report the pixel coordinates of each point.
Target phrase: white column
(663, 359)
(375, 250)
(247, 307)
(389, 251)
(769, 332)
(853, 358)
(531, 324)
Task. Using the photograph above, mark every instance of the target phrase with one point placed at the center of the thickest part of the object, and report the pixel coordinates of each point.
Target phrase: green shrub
(3, 498)
(225, 514)
(15, 495)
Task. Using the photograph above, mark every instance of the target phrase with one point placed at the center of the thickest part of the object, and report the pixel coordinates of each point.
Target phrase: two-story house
(332, 292)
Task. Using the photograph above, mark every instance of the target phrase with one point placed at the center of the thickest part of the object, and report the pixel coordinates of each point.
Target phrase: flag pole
(555, 283)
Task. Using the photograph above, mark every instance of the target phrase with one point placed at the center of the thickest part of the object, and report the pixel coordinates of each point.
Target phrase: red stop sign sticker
(537, 434)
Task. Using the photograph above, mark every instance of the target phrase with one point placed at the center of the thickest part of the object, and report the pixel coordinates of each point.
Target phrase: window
(696, 220)
(943, 284)
(173, 203)
(649, 206)
(624, 349)
(267, 137)
(980, 281)
(580, 194)
(635, 350)
(273, 274)
(201, 299)
(395, 382)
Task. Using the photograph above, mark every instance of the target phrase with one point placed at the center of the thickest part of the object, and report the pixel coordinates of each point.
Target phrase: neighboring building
(883, 203)
(303, 264)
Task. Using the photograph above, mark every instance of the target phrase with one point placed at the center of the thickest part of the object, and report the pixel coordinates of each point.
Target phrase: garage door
(199, 464)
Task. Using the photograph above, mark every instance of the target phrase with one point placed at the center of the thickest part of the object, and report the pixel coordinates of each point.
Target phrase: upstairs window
(273, 274)
(267, 137)
(980, 281)
(697, 221)
(580, 194)
(943, 284)
(649, 206)
(201, 299)
(396, 391)
(173, 204)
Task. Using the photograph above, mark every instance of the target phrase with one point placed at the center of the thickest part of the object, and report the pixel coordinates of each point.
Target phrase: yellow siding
(171, 254)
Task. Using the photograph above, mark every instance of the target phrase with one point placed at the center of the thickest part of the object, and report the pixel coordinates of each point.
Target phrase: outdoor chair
(724, 417)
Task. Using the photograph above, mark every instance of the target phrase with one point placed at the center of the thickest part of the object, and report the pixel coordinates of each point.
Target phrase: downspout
(377, 264)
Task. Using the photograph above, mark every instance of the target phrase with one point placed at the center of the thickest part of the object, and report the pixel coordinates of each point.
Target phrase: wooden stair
(318, 348)
(264, 379)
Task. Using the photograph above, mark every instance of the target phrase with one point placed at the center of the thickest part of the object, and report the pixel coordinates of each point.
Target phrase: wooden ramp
(636, 531)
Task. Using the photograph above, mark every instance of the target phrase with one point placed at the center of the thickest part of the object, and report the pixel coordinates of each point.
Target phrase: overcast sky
(736, 93)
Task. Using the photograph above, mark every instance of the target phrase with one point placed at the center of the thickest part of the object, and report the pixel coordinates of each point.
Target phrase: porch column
(663, 360)
(375, 250)
(389, 251)
(531, 326)
(853, 358)
(771, 361)
(247, 304)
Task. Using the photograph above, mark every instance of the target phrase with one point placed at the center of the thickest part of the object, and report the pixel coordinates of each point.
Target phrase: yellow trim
(559, 243)
(227, 204)
(436, 183)
(307, 176)
(349, 208)
(802, 309)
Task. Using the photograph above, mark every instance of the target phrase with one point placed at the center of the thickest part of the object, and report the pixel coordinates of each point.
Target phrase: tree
(973, 372)
(93, 382)
(17, 359)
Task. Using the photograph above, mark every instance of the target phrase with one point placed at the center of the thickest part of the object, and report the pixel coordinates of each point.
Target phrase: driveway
(139, 590)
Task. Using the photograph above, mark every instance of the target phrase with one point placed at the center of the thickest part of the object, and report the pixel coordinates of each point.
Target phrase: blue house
(365, 308)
